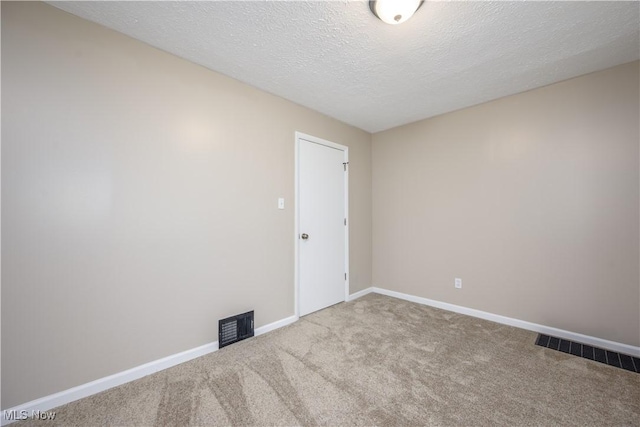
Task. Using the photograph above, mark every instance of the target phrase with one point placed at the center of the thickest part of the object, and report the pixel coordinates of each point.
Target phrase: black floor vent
(235, 328)
(607, 357)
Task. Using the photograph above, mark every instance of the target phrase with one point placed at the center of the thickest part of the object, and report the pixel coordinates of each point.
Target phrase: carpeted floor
(374, 361)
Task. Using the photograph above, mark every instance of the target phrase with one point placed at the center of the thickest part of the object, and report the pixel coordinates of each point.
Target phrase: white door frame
(302, 136)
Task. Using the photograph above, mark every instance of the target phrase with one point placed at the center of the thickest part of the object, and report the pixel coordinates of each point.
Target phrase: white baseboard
(547, 330)
(67, 396)
(275, 325)
(359, 294)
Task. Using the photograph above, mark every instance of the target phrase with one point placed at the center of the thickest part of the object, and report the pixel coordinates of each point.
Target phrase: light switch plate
(281, 203)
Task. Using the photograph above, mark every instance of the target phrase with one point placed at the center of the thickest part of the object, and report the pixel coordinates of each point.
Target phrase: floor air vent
(235, 328)
(611, 358)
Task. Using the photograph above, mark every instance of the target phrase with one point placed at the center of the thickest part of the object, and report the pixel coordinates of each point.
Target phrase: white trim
(275, 325)
(347, 225)
(359, 294)
(296, 274)
(296, 228)
(547, 330)
(85, 390)
(316, 140)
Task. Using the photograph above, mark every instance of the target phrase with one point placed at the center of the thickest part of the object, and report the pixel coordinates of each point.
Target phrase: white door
(322, 224)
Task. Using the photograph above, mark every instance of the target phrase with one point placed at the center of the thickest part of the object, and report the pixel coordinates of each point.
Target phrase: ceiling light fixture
(394, 11)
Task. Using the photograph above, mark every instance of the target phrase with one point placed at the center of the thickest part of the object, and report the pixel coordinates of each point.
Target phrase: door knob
(304, 236)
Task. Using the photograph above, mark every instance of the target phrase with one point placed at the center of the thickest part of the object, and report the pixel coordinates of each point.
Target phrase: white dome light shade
(394, 11)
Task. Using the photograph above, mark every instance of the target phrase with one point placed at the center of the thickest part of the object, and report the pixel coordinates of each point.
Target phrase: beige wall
(532, 200)
(139, 202)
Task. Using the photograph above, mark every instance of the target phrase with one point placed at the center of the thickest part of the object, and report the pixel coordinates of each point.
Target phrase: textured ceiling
(337, 58)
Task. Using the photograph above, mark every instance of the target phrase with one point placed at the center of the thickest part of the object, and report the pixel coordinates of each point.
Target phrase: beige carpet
(375, 361)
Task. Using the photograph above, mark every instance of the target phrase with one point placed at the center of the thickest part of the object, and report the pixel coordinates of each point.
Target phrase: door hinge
(345, 165)
(345, 276)
(345, 221)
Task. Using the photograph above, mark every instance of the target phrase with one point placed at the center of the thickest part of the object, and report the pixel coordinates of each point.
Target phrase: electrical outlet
(458, 283)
